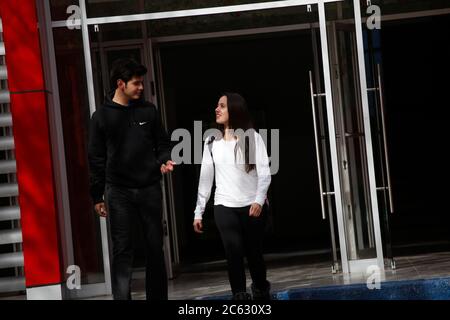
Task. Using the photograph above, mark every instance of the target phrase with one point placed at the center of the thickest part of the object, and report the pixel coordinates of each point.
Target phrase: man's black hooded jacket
(127, 145)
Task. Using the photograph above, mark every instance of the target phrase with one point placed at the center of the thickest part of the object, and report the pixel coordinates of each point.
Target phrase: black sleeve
(97, 159)
(162, 140)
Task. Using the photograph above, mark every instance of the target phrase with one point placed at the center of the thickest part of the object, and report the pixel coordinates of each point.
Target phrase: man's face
(132, 89)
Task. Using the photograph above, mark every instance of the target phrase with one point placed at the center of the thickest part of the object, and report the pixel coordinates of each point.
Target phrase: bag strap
(210, 144)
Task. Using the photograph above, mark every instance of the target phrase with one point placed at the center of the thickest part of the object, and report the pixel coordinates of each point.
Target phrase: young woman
(241, 168)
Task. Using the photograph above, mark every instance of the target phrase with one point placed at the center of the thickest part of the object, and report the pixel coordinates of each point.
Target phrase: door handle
(316, 140)
(386, 152)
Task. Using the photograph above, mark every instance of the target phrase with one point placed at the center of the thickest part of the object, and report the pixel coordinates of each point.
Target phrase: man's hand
(100, 208)
(167, 167)
(255, 210)
(198, 226)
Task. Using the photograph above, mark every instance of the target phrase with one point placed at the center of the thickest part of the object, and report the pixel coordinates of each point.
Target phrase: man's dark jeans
(126, 207)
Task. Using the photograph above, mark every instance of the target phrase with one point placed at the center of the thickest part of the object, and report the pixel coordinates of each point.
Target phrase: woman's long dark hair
(239, 118)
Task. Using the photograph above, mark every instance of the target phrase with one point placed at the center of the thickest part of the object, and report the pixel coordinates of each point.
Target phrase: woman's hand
(255, 210)
(198, 226)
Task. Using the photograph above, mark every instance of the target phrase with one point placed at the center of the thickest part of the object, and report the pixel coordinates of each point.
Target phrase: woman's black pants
(242, 236)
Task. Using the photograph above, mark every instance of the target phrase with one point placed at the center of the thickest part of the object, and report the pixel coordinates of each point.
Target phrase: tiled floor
(292, 273)
(199, 284)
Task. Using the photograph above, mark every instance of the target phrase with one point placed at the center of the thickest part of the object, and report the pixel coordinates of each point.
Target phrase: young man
(128, 152)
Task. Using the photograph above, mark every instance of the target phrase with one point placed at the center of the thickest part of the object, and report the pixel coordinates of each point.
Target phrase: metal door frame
(369, 148)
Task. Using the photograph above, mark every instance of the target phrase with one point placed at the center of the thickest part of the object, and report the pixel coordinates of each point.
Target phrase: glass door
(350, 137)
(248, 50)
(342, 121)
(351, 185)
(360, 218)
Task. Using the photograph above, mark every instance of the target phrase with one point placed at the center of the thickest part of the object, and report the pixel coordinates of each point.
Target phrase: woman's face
(222, 111)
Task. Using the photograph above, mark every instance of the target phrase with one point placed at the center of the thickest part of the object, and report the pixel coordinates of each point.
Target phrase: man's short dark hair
(125, 70)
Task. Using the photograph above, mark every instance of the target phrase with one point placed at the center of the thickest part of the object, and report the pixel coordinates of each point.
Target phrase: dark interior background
(416, 68)
(271, 72)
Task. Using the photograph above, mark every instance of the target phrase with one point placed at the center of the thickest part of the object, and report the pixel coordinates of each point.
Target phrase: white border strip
(52, 292)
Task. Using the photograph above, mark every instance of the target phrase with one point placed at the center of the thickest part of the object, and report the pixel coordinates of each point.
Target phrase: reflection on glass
(373, 59)
(108, 43)
(295, 15)
(101, 8)
(233, 21)
(75, 116)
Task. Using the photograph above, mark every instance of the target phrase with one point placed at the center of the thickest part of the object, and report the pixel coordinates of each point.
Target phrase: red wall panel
(32, 143)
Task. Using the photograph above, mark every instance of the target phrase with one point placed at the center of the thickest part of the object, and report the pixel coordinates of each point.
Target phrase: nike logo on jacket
(127, 145)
